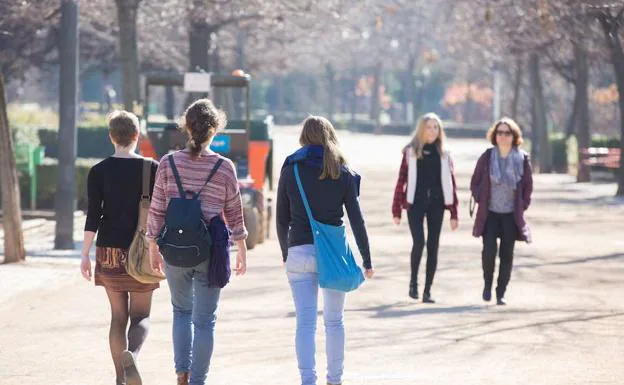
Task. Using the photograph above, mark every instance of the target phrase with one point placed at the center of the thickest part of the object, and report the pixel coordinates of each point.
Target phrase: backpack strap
(176, 175)
(212, 173)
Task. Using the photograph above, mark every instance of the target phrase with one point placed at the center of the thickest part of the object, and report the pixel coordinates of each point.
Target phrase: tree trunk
(200, 44)
(581, 114)
(570, 126)
(498, 91)
(241, 63)
(127, 11)
(169, 103)
(375, 102)
(539, 120)
(353, 92)
(610, 26)
(409, 89)
(517, 87)
(12, 213)
(467, 105)
(331, 90)
(281, 97)
(66, 184)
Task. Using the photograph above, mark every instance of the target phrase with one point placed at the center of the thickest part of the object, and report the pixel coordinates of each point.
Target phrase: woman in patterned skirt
(114, 190)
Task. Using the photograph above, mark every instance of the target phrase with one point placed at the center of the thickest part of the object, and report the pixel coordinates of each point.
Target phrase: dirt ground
(564, 323)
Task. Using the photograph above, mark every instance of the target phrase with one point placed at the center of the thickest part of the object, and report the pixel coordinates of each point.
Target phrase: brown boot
(183, 378)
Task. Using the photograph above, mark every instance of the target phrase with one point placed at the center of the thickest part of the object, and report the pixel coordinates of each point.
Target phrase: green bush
(559, 151)
(92, 142)
(47, 177)
(604, 141)
(24, 133)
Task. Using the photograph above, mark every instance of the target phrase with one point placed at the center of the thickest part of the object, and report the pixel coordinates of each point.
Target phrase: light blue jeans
(194, 318)
(303, 279)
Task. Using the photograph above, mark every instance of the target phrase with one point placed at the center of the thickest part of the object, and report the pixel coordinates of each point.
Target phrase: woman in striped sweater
(425, 188)
(194, 299)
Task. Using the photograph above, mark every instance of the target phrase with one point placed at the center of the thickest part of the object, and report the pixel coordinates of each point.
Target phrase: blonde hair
(123, 127)
(319, 131)
(418, 139)
(513, 126)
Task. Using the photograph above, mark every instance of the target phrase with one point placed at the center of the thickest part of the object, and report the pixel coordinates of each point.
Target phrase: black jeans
(433, 209)
(504, 227)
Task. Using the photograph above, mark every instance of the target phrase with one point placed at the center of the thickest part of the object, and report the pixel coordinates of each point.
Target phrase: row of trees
(532, 51)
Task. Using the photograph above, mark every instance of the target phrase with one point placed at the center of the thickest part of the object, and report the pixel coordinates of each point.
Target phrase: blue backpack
(185, 240)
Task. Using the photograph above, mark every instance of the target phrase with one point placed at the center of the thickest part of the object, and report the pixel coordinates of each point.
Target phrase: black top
(326, 198)
(429, 175)
(114, 191)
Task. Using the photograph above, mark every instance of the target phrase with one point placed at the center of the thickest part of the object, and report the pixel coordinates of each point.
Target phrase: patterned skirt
(110, 272)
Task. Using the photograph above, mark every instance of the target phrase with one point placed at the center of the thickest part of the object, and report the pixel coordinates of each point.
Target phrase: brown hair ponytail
(201, 122)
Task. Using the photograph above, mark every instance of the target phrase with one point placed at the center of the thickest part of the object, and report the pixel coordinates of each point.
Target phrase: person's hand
(396, 220)
(241, 262)
(156, 260)
(454, 224)
(369, 273)
(85, 267)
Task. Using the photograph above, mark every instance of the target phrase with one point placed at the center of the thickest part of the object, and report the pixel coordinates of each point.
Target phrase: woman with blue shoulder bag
(314, 185)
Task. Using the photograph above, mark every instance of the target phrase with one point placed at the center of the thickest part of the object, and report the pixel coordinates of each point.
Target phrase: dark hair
(123, 127)
(201, 122)
(513, 126)
(319, 131)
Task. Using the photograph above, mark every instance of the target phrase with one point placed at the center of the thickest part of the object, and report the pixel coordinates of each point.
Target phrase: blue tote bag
(337, 269)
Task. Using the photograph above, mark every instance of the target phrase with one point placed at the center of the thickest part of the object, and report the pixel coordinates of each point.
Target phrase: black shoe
(501, 301)
(427, 298)
(487, 294)
(413, 292)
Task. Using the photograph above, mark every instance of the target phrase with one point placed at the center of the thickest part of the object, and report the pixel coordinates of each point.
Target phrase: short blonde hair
(123, 127)
(513, 126)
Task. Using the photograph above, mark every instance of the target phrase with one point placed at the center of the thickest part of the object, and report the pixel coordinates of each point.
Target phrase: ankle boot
(413, 291)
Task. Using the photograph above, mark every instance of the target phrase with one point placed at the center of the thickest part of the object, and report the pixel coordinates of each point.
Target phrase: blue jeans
(194, 318)
(303, 279)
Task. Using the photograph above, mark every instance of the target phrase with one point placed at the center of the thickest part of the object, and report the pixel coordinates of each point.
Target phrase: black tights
(434, 212)
(124, 306)
(504, 227)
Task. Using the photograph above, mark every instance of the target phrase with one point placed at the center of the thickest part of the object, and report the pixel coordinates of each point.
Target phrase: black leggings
(433, 210)
(504, 227)
(124, 306)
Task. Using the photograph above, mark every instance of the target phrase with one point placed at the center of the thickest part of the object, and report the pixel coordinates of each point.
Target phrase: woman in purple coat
(501, 185)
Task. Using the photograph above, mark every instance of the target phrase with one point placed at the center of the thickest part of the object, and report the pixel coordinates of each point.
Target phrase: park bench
(601, 158)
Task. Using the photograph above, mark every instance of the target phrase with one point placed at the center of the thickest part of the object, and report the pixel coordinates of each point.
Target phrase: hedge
(604, 141)
(92, 142)
(47, 175)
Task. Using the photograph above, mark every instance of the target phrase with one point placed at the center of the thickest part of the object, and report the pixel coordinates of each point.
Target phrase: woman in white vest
(425, 188)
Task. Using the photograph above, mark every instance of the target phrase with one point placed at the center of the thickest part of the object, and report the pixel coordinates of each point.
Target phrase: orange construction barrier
(146, 148)
(258, 154)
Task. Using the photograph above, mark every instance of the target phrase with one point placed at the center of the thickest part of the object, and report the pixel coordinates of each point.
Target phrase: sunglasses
(504, 133)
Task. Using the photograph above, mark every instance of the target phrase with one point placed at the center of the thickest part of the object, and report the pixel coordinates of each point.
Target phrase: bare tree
(12, 214)
(19, 26)
(127, 11)
(611, 19)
